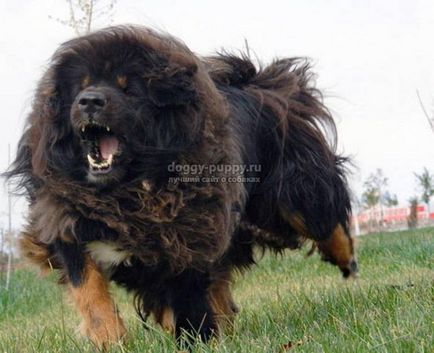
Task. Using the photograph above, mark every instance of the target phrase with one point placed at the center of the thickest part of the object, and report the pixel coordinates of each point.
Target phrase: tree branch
(430, 121)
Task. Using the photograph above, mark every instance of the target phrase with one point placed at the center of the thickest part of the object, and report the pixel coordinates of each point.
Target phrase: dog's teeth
(108, 129)
(92, 162)
(82, 129)
(100, 165)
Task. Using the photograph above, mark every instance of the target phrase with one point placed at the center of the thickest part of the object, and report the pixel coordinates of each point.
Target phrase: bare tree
(83, 13)
(425, 112)
(246, 44)
(2, 253)
(9, 233)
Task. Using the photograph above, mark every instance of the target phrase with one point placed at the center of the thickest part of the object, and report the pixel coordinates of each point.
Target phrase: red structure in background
(391, 216)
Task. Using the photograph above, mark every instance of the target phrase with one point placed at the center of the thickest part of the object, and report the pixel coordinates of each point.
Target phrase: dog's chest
(107, 255)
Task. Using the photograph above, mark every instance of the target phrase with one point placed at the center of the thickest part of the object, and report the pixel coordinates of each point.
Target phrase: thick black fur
(177, 108)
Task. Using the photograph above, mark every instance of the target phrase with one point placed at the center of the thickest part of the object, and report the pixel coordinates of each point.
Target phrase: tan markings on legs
(222, 304)
(101, 322)
(165, 317)
(35, 252)
(339, 247)
(339, 250)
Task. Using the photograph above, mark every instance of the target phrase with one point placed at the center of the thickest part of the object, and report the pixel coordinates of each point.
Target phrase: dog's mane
(65, 200)
(44, 129)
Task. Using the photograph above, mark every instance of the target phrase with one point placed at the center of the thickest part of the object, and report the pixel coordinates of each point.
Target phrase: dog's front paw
(104, 331)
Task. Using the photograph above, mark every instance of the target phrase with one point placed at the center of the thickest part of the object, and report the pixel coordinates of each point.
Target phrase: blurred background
(374, 61)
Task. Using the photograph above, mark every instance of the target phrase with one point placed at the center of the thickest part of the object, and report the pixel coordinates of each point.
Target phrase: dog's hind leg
(222, 303)
(337, 248)
(165, 317)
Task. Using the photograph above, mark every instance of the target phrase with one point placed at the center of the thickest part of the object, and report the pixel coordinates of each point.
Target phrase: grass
(288, 304)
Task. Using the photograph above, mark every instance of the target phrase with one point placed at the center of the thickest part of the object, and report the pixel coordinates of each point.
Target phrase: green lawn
(284, 300)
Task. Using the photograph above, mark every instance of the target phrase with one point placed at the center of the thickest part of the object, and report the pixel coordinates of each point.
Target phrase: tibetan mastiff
(163, 171)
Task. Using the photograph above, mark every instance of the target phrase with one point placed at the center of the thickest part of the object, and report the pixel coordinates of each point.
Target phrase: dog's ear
(41, 135)
(31, 159)
(172, 86)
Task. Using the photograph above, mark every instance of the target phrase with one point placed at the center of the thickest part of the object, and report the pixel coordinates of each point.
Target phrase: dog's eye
(133, 89)
(85, 82)
(122, 82)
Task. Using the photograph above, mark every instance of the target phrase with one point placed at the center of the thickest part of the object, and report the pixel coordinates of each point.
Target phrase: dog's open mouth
(103, 147)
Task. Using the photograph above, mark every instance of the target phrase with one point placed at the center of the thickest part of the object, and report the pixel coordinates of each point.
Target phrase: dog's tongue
(108, 145)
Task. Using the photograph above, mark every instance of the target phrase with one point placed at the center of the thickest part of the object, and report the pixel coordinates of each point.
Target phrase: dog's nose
(91, 102)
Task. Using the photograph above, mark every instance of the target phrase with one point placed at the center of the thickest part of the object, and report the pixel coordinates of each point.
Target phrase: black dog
(161, 170)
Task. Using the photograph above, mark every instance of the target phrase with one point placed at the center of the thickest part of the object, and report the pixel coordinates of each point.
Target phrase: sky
(370, 56)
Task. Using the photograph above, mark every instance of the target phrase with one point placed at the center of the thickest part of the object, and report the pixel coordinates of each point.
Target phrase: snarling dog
(147, 165)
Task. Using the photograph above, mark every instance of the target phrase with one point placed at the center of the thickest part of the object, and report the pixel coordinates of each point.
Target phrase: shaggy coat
(119, 120)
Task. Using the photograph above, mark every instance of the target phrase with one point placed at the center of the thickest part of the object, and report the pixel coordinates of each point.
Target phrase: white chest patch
(107, 254)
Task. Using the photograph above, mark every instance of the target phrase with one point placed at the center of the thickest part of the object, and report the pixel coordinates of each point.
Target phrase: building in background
(389, 219)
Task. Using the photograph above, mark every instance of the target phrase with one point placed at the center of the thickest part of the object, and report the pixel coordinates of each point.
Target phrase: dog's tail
(286, 86)
(307, 169)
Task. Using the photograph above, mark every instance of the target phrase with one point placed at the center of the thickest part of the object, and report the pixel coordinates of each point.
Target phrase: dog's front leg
(89, 290)
(191, 306)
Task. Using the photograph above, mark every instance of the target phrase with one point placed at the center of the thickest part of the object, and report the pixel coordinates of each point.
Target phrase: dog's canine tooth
(110, 159)
(92, 162)
(107, 128)
(83, 129)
